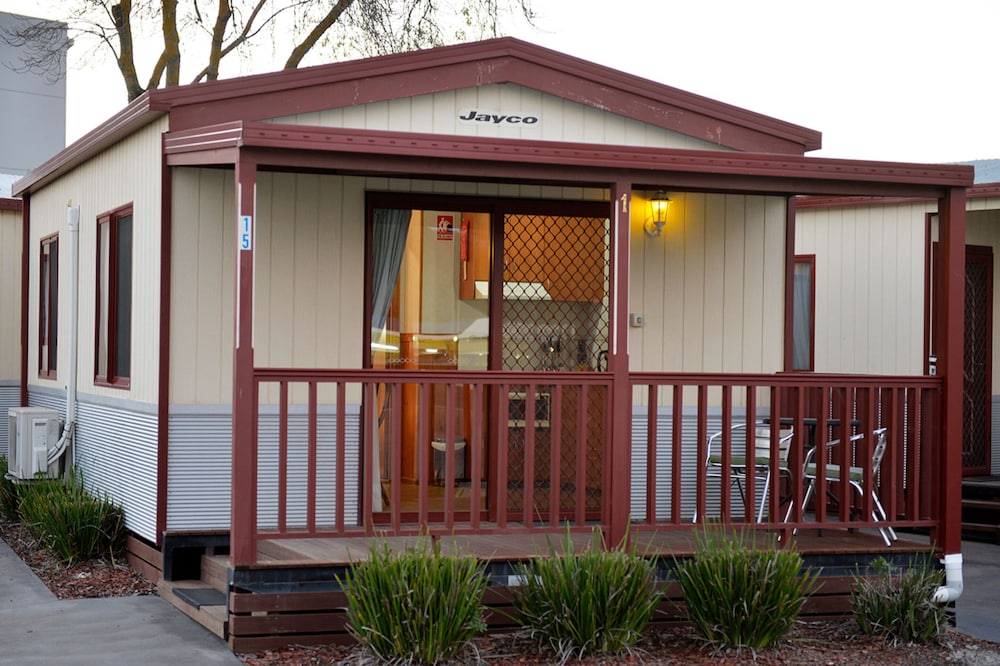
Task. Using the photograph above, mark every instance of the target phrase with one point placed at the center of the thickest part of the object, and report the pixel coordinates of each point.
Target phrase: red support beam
(243, 547)
(618, 473)
(950, 327)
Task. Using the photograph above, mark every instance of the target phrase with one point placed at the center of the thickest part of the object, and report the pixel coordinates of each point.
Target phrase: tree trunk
(218, 32)
(171, 44)
(121, 14)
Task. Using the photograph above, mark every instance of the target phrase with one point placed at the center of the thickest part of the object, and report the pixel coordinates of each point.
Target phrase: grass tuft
(896, 602)
(68, 521)
(594, 602)
(741, 594)
(417, 606)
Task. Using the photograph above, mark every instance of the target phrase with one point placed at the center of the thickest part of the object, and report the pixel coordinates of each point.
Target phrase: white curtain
(801, 315)
(389, 231)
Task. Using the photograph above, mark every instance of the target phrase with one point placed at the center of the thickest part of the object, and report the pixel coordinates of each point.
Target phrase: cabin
(487, 293)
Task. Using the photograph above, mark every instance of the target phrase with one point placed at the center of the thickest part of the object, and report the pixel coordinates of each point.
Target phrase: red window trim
(110, 379)
(809, 260)
(47, 332)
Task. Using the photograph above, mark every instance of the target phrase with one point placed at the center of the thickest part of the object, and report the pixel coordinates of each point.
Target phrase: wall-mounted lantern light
(659, 203)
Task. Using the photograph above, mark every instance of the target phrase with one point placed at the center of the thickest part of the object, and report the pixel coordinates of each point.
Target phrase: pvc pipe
(73, 233)
(953, 584)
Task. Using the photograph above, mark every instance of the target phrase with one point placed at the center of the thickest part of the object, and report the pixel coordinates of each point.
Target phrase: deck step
(201, 596)
(215, 572)
(204, 604)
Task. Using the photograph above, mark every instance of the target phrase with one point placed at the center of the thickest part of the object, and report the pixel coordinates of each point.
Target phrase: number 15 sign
(245, 239)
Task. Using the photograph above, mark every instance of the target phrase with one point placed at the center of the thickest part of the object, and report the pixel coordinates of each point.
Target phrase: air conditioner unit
(31, 433)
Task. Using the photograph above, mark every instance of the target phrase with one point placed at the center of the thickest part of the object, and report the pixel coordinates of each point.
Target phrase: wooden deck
(824, 543)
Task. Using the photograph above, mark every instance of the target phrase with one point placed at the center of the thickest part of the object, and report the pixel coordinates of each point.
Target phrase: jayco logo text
(477, 116)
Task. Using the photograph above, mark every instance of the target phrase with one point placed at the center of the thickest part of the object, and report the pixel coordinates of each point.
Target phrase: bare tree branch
(314, 35)
(247, 33)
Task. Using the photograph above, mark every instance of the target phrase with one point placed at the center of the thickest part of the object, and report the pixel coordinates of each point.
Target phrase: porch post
(243, 512)
(618, 473)
(950, 326)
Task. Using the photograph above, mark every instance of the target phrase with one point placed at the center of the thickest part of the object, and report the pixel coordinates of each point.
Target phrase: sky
(888, 80)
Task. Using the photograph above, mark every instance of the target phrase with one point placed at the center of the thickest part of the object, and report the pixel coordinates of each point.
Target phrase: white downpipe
(73, 233)
(953, 584)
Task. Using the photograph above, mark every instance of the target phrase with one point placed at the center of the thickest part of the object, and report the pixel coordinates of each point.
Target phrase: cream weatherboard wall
(116, 429)
(711, 287)
(869, 302)
(10, 317)
(558, 119)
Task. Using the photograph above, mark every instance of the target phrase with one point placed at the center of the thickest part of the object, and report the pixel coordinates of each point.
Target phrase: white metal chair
(760, 467)
(855, 477)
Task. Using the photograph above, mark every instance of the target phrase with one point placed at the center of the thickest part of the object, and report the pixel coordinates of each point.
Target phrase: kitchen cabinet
(566, 256)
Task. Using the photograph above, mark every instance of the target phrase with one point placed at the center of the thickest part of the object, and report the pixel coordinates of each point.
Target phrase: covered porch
(634, 440)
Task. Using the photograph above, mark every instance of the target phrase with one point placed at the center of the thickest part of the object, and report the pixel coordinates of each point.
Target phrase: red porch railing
(670, 440)
(348, 452)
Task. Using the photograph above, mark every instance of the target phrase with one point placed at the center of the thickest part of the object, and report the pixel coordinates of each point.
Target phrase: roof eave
(133, 117)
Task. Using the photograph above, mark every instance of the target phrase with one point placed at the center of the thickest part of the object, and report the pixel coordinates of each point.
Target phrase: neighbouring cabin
(443, 292)
(11, 242)
(841, 247)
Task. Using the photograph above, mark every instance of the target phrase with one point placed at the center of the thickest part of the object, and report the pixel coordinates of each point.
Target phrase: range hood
(515, 291)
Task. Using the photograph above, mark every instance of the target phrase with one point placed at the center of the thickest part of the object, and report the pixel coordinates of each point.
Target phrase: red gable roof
(496, 61)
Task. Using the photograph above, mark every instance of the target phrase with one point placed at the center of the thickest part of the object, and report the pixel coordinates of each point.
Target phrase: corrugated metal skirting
(200, 468)
(116, 454)
(10, 396)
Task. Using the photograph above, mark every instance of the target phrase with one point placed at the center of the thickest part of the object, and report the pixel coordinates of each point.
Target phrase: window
(113, 352)
(803, 313)
(48, 307)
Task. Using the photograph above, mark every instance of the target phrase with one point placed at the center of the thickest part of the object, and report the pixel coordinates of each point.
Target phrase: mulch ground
(824, 644)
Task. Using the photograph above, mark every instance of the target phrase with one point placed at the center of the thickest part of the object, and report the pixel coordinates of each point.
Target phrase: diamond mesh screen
(555, 318)
(977, 312)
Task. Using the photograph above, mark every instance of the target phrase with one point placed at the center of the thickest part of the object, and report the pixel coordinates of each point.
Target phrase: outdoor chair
(760, 467)
(855, 477)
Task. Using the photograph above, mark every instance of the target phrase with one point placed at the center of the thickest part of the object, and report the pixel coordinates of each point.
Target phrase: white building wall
(539, 117)
(116, 443)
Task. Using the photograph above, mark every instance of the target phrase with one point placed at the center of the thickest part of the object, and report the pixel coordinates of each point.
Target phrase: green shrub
(69, 522)
(741, 595)
(418, 606)
(594, 602)
(896, 602)
(8, 493)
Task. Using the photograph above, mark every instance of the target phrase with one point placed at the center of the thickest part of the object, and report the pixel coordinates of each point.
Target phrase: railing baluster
(652, 401)
(311, 460)
(583, 451)
(340, 491)
(283, 456)
(476, 454)
(555, 452)
(677, 455)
